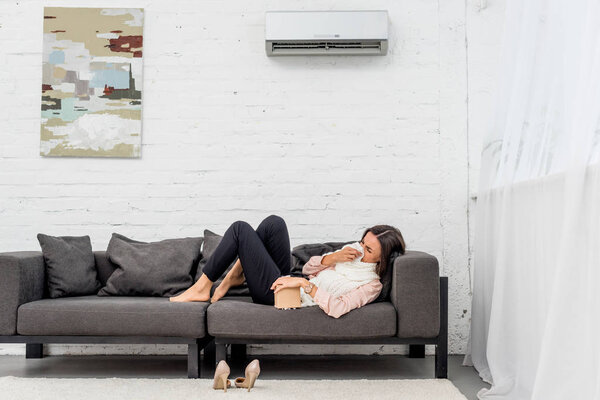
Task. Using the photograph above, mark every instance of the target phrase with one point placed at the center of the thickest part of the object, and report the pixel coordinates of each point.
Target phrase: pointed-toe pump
(221, 374)
(252, 372)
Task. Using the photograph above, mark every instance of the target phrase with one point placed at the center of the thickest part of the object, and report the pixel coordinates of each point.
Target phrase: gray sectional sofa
(415, 314)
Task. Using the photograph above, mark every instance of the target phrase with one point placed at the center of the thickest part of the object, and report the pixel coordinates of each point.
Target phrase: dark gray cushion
(70, 265)
(211, 241)
(238, 317)
(151, 269)
(103, 265)
(304, 252)
(117, 316)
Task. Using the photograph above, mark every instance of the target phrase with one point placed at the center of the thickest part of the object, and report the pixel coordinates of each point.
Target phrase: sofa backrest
(105, 267)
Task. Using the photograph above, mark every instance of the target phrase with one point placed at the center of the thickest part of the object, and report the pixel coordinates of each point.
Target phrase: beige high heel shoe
(221, 374)
(252, 372)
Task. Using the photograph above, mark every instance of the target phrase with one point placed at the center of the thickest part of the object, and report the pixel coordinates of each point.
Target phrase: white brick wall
(332, 144)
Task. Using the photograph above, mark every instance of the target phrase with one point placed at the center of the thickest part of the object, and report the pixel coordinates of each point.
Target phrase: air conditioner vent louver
(326, 33)
(325, 45)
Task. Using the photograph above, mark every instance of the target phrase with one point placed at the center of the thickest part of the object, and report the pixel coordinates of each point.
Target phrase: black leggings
(265, 255)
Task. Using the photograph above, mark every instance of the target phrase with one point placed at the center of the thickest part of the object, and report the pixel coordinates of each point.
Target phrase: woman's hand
(340, 256)
(288, 281)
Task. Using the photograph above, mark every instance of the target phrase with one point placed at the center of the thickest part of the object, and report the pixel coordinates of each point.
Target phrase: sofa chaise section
(416, 314)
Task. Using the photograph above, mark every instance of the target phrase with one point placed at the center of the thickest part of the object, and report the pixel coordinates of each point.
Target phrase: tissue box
(288, 298)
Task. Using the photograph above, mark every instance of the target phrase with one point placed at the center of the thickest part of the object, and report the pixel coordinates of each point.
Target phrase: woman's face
(371, 248)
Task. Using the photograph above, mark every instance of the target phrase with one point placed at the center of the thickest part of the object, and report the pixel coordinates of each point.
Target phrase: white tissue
(357, 246)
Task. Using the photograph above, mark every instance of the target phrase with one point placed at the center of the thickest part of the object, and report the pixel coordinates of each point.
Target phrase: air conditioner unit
(326, 33)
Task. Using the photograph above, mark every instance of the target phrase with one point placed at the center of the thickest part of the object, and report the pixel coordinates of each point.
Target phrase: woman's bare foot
(200, 291)
(234, 277)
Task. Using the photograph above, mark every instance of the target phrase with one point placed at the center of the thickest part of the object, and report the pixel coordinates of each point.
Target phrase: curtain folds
(536, 305)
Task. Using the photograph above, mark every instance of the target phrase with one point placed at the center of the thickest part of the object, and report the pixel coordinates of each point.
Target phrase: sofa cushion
(239, 317)
(211, 241)
(70, 265)
(302, 253)
(93, 315)
(151, 269)
(104, 267)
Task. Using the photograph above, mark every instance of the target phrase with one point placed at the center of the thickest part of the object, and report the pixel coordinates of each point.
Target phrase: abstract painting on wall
(92, 82)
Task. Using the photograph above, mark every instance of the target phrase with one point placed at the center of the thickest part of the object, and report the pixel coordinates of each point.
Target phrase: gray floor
(465, 379)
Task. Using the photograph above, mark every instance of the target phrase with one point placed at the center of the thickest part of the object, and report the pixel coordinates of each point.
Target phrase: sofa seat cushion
(239, 317)
(112, 316)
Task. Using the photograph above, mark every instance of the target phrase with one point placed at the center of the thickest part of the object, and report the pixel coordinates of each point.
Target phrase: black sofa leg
(416, 351)
(441, 349)
(209, 354)
(34, 350)
(193, 360)
(220, 352)
(238, 352)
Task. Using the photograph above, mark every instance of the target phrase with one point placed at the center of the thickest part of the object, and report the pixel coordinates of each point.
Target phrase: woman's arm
(328, 260)
(356, 298)
(315, 264)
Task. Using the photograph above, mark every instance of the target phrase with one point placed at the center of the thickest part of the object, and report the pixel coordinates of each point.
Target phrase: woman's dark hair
(391, 240)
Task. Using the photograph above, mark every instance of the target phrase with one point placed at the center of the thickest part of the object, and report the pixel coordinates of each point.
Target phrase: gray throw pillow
(302, 253)
(151, 268)
(70, 265)
(211, 241)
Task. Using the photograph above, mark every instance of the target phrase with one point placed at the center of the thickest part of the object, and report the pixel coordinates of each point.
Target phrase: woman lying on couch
(338, 281)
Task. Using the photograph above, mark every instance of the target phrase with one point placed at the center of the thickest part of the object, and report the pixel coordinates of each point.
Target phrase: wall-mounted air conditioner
(326, 33)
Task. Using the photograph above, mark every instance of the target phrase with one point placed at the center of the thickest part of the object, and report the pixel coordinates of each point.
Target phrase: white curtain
(535, 328)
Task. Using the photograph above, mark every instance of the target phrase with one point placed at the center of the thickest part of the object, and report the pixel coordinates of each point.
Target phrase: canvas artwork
(92, 82)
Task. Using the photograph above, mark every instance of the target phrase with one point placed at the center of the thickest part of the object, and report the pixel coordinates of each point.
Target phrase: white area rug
(16, 388)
